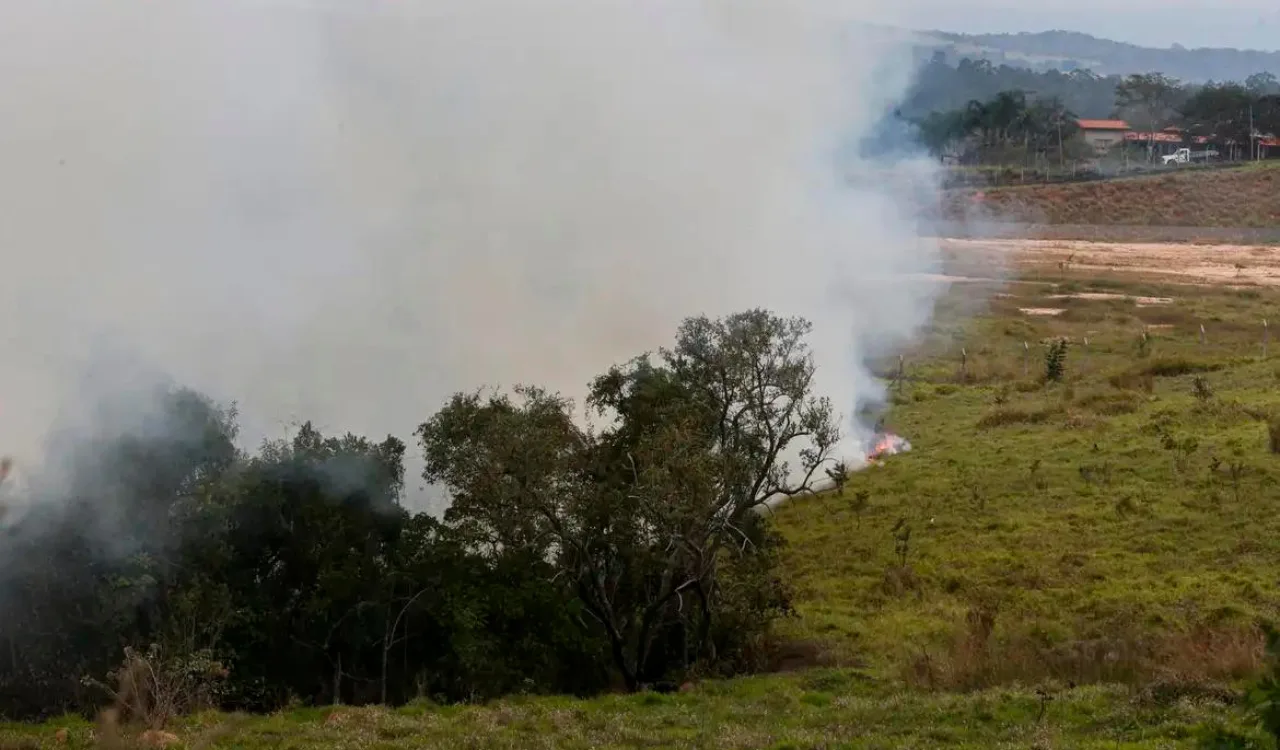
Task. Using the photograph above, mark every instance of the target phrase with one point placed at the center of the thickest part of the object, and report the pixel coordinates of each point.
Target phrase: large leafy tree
(645, 519)
(1222, 112)
(1011, 121)
(1150, 101)
(942, 132)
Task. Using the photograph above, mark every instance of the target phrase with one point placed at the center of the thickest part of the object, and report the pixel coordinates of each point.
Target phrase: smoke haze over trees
(335, 216)
(571, 559)
(345, 212)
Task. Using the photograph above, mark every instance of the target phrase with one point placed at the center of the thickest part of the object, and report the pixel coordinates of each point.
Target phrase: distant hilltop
(1070, 50)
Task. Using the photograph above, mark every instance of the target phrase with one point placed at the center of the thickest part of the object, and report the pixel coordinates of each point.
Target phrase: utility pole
(1062, 154)
(1253, 137)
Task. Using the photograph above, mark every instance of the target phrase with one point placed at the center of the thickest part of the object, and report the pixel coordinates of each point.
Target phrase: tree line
(1008, 128)
(1017, 126)
(943, 87)
(571, 559)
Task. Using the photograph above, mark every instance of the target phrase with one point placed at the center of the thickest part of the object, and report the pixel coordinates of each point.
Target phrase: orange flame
(887, 444)
(883, 446)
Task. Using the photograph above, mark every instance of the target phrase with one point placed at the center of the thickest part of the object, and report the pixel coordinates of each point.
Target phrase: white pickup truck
(1186, 155)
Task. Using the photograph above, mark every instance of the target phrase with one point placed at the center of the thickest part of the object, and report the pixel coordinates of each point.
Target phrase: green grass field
(1086, 566)
(1114, 527)
(819, 709)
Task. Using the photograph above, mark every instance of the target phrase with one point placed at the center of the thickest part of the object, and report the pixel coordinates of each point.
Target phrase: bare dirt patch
(1139, 301)
(1242, 265)
(1043, 311)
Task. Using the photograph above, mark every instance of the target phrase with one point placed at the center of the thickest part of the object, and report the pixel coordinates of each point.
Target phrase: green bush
(1055, 361)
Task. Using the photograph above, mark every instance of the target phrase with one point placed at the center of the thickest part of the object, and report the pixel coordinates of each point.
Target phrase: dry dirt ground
(1247, 196)
(1237, 265)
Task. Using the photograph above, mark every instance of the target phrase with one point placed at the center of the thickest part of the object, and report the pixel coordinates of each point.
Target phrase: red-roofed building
(1103, 134)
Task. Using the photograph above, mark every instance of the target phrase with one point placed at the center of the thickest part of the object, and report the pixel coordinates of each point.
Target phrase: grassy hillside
(1086, 565)
(1244, 197)
(1121, 525)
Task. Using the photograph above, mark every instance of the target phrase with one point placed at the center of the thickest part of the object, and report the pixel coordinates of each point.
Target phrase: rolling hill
(1066, 50)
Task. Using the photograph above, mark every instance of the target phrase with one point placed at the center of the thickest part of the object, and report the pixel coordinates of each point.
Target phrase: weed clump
(152, 688)
(861, 500)
(1055, 361)
(1009, 415)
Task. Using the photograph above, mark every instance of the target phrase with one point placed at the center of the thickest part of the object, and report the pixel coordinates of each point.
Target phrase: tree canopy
(573, 557)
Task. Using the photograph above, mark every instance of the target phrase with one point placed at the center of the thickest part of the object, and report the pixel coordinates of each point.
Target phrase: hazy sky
(1251, 24)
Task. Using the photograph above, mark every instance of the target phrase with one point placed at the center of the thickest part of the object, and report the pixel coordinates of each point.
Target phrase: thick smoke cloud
(344, 212)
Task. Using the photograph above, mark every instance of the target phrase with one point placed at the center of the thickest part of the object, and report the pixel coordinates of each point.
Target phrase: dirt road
(1243, 265)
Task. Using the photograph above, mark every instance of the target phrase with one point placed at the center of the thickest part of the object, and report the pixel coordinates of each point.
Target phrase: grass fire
(398, 375)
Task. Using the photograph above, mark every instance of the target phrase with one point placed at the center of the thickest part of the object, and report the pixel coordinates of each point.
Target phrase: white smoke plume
(346, 211)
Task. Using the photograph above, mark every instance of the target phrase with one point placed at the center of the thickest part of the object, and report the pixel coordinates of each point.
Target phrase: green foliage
(1055, 361)
(838, 473)
(1232, 112)
(983, 129)
(1201, 389)
(985, 114)
(1149, 101)
(861, 501)
(649, 521)
(1263, 696)
(566, 559)
(901, 541)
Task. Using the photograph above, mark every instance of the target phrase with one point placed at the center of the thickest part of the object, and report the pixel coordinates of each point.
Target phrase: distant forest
(943, 87)
(977, 113)
(1068, 50)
